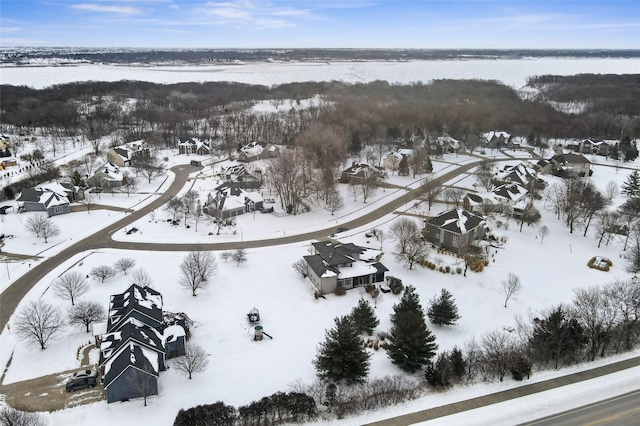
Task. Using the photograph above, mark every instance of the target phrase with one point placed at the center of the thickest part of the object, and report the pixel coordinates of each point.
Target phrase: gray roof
(458, 221)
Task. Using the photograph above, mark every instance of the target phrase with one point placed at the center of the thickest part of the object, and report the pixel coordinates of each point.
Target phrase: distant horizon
(321, 24)
(513, 49)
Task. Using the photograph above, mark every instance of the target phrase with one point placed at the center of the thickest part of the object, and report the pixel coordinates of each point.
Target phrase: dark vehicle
(82, 383)
(342, 229)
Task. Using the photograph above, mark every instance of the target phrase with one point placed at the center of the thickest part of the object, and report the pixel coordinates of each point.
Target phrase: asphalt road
(12, 295)
(510, 394)
(623, 410)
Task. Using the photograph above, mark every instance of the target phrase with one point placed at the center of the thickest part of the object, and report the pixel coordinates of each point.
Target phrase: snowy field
(512, 72)
(241, 370)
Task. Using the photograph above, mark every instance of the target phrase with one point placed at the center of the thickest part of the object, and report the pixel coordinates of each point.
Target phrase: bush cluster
(600, 263)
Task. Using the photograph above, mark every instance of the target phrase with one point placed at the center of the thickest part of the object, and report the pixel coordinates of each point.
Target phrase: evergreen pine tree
(403, 167)
(631, 187)
(458, 363)
(342, 357)
(439, 373)
(443, 309)
(410, 344)
(364, 317)
(428, 165)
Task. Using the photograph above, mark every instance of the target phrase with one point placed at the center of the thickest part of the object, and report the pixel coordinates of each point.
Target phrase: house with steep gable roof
(510, 198)
(496, 139)
(107, 177)
(577, 164)
(343, 265)
(122, 155)
(142, 303)
(256, 151)
(137, 332)
(43, 200)
(359, 172)
(230, 200)
(193, 146)
(131, 372)
(455, 229)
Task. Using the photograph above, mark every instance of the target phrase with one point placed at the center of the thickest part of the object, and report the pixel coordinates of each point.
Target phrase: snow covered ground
(513, 72)
(242, 370)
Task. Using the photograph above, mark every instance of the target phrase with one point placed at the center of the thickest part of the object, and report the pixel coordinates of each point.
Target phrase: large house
(257, 151)
(230, 200)
(123, 154)
(43, 199)
(510, 198)
(455, 229)
(359, 172)
(343, 265)
(238, 173)
(496, 139)
(193, 146)
(135, 342)
(107, 177)
(576, 164)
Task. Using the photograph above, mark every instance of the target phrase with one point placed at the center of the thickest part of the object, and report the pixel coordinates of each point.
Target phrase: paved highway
(623, 410)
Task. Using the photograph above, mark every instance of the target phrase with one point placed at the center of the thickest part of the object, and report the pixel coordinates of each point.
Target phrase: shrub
(340, 291)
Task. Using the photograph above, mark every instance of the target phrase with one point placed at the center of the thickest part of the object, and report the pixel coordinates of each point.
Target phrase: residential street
(10, 298)
(12, 295)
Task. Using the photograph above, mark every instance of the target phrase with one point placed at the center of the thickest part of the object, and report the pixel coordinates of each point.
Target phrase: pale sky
(318, 23)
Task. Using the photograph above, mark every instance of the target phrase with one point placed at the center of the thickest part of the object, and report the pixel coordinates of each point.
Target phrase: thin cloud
(93, 7)
(252, 14)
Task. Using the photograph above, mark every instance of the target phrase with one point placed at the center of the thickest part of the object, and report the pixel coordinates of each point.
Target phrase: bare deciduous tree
(42, 227)
(85, 313)
(497, 348)
(89, 200)
(543, 232)
(174, 207)
(334, 202)
(124, 264)
(150, 167)
(453, 195)
(70, 286)
(300, 267)
(403, 231)
(195, 360)
(510, 287)
(38, 323)
(368, 186)
(239, 256)
(102, 272)
(141, 277)
(430, 189)
(415, 253)
(145, 383)
(196, 269)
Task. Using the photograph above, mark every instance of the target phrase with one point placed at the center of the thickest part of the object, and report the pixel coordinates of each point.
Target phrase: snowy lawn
(242, 370)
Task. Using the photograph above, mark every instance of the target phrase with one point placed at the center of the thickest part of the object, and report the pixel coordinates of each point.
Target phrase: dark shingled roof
(458, 220)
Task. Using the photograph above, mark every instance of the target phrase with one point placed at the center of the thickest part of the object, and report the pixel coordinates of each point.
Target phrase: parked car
(81, 383)
(342, 229)
(83, 373)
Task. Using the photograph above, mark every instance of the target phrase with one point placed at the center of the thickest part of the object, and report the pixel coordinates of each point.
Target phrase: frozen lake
(513, 72)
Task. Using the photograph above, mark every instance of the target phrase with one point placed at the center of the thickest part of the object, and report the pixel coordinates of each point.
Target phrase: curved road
(12, 295)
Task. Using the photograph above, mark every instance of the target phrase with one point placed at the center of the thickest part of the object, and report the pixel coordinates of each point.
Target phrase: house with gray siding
(43, 200)
(455, 229)
(131, 372)
(343, 265)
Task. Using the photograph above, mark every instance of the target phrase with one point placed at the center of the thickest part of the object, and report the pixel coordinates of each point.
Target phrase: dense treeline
(200, 56)
(366, 112)
(602, 94)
